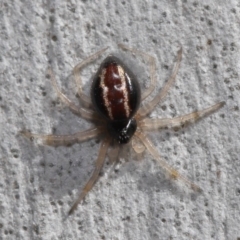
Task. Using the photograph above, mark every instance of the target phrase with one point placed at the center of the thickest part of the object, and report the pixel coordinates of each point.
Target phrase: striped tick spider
(114, 104)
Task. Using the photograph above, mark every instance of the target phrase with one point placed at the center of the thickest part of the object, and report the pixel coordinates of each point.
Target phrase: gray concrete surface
(38, 184)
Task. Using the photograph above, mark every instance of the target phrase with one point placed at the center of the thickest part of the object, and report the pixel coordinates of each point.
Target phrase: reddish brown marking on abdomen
(115, 92)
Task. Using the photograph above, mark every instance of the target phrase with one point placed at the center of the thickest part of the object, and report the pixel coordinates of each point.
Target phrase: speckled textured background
(38, 184)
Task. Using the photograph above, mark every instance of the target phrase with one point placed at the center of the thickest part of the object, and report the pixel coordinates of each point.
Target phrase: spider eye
(123, 131)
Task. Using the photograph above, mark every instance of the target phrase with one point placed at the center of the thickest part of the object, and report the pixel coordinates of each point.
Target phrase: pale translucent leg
(137, 146)
(113, 153)
(87, 114)
(86, 99)
(173, 173)
(95, 175)
(178, 122)
(152, 69)
(63, 140)
(148, 107)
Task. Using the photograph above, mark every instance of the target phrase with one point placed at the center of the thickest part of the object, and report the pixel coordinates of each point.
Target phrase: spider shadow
(57, 171)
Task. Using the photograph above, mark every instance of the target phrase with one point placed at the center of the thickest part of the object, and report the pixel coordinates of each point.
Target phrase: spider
(115, 98)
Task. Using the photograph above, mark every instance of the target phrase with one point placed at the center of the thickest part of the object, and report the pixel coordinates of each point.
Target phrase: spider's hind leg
(85, 113)
(78, 79)
(152, 68)
(148, 107)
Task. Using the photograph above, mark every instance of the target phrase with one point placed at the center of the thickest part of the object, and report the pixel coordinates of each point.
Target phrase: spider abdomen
(115, 91)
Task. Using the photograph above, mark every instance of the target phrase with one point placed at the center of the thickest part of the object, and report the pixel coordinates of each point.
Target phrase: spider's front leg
(63, 140)
(154, 124)
(99, 165)
(178, 122)
(173, 172)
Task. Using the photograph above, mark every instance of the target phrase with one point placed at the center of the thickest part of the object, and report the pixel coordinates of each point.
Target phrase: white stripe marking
(105, 93)
(124, 89)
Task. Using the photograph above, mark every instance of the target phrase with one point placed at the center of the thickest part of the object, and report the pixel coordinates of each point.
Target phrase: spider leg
(148, 107)
(178, 122)
(87, 114)
(78, 79)
(63, 140)
(173, 173)
(113, 156)
(95, 175)
(152, 69)
(138, 146)
(113, 153)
